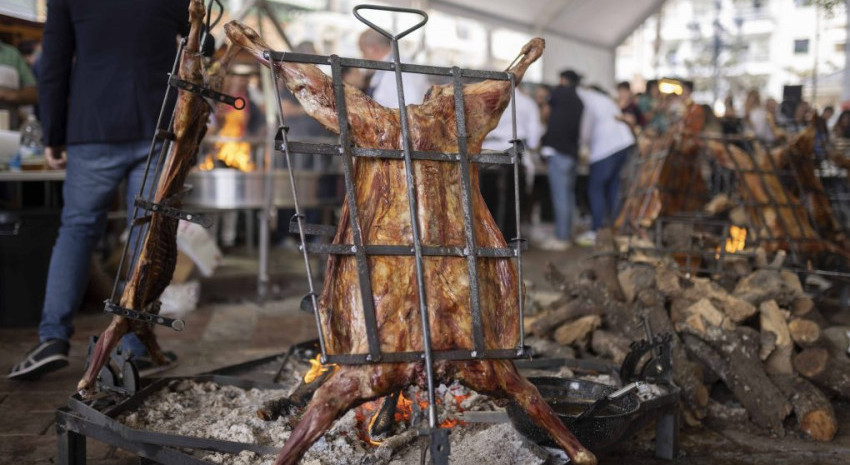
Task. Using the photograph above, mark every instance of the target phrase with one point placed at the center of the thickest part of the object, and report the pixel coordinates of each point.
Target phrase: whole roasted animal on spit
(381, 197)
(152, 270)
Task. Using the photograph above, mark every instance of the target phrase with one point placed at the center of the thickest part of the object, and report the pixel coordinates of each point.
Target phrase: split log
(577, 331)
(609, 345)
(667, 280)
(604, 263)
(548, 321)
(634, 278)
(802, 305)
(529, 321)
(733, 355)
(702, 314)
(838, 341)
(773, 320)
(792, 282)
(811, 407)
(767, 344)
(687, 374)
(737, 309)
(805, 333)
(825, 369)
(762, 285)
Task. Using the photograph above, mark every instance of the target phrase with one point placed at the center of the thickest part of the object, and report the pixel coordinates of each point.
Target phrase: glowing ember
(317, 369)
(367, 413)
(235, 154)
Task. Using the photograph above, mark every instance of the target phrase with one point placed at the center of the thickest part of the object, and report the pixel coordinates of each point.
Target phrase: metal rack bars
(346, 151)
(362, 251)
(792, 207)
(163, 151)
(299, 217)
(795, 208)
(468, 227)
(518, 240)
(363, 277)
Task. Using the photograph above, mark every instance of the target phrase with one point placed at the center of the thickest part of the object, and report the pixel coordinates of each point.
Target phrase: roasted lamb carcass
(381, 196)
(667, 180)
(152, 270)
(781, 221)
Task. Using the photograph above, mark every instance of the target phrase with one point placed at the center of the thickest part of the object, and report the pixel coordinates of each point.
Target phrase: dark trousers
(603, 187)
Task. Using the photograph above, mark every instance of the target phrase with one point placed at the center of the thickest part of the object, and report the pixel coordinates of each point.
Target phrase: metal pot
(224, 188)
(569, 398)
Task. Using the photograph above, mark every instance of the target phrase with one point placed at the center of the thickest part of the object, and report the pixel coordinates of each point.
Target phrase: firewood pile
(755, 339)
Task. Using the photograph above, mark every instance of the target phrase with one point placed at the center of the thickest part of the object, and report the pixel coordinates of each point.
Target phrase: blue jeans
(93, 174)
(562, 182)
(603, 187)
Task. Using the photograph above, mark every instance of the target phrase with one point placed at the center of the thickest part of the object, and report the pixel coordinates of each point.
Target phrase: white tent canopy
(580, 34)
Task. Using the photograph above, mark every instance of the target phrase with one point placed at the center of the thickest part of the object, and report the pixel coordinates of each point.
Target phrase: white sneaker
(553, 243)
(586, 239)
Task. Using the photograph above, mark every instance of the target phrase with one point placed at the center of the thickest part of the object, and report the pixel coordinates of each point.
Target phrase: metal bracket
(235, 102)
(306, 304)
(115, 309)
(439, 445)
(172, 212)
(164, 134)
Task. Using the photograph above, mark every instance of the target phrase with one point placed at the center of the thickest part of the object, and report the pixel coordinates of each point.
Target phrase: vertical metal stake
(71, 446)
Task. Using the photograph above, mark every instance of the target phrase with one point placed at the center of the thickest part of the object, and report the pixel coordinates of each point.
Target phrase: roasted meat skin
(665, 187)
(384, 216)
(152, 271)
(801, 157)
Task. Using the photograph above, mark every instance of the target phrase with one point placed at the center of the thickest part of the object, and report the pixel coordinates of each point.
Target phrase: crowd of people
(586, 123)
(101, 150)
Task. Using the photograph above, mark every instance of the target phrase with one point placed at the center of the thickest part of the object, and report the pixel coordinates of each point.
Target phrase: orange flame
(736, 241)
(207, 164)
(317, 369)
(403, 413)
(235, 154)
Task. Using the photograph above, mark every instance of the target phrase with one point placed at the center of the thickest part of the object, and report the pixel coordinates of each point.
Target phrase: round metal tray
(224, 188)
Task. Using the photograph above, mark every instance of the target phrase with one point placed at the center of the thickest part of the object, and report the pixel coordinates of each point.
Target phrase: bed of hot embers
(480, 431)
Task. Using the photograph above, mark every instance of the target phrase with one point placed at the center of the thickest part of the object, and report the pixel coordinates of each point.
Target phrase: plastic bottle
(31, 145)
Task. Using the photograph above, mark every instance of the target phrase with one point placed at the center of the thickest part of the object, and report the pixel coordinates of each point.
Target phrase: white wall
(594, 63)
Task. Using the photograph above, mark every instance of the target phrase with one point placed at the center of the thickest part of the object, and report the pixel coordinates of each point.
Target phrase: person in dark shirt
(102, 78)
(560, 149)
(628, 106)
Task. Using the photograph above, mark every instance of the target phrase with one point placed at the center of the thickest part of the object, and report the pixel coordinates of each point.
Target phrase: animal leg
(105, 344)
(340, 392)
(500, 378)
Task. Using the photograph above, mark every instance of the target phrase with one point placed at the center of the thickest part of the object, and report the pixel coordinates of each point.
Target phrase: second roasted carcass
(667, 179)
(152, 270)
(381, 196)
(780, 219)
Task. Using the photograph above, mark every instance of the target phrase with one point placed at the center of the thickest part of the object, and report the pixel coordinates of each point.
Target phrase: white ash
(210, 410)
(497, 444)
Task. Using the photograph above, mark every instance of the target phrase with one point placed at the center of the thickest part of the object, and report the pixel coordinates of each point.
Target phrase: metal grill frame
(663, 145)
(361, 251)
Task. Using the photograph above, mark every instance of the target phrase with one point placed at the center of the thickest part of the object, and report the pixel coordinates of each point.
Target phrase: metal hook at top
(393, 9)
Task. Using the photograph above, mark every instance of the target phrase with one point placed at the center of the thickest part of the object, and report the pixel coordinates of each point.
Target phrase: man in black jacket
(102, 79)
(560, 147)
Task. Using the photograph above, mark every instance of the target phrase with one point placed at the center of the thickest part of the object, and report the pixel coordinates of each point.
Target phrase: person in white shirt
(756, 118)
(529, 129)
(382, 86)
(610, 141)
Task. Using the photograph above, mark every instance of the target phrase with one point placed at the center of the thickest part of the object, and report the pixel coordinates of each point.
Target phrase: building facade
(730, 46)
